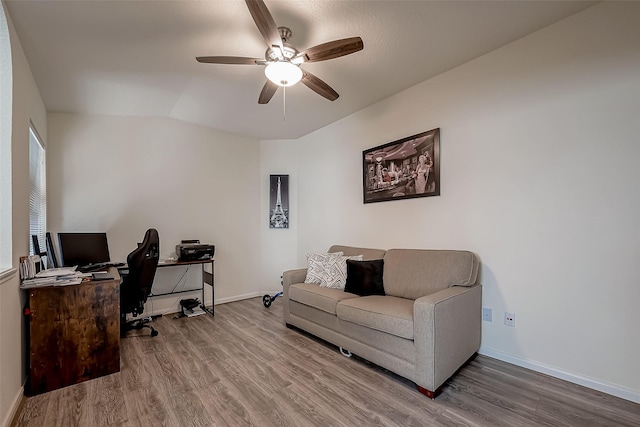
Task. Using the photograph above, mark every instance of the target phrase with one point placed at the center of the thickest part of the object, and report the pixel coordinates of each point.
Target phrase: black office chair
(136, 284)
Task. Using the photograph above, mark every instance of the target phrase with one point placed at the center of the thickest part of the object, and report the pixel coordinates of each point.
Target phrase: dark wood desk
(74, 333)
(207, 279)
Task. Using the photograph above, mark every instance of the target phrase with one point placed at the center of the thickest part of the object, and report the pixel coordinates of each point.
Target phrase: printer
(191, 250)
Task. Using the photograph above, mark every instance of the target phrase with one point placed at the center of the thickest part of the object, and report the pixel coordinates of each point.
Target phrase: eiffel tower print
(278, 217)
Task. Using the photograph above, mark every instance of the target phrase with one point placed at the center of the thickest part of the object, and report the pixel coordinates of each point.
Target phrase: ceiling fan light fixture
(283, 60)
(283, 73)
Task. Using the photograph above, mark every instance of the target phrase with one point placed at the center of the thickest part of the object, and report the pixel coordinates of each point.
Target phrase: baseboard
(238, 297)
(614, 390)
(15, 406)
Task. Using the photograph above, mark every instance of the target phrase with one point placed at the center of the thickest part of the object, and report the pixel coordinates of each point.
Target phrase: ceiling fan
(283, 61)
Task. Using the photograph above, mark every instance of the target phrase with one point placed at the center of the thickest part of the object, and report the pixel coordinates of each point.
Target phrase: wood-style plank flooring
(243, 367)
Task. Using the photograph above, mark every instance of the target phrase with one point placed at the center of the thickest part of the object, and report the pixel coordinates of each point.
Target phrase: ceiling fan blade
(334, 49)
(268, 90)
(318, 86)
(239, 60)
(265, 23)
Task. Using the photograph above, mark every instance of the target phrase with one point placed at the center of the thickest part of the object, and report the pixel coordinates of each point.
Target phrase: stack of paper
(54, 277)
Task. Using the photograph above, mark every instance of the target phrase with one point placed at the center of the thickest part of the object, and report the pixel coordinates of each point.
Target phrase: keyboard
(98, 266)
(101, 276)
(93, 267)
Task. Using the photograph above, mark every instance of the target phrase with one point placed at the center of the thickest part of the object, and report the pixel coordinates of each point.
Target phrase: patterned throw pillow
(336, 271)
(316, 267)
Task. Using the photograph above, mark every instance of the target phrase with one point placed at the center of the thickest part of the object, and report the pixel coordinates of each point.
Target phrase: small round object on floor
(345, 352)
(266, 301)
(154, 333)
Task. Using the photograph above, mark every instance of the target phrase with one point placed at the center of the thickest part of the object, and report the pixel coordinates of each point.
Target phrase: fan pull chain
(284, 104)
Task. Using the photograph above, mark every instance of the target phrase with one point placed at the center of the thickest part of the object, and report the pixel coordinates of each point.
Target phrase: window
(6, 91)
(37, 191)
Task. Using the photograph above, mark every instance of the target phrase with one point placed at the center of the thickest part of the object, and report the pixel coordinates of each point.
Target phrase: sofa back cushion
(367, 254)
(413, 273)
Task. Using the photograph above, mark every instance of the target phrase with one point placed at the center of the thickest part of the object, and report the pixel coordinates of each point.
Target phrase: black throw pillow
(364, 277)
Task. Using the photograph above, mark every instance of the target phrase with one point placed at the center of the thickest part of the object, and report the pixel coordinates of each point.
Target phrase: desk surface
(168, 263)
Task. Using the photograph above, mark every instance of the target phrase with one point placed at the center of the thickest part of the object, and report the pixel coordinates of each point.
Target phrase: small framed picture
(279, 201)
(402, 169)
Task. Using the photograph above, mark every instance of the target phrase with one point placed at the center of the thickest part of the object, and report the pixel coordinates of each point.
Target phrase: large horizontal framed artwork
(402, 169)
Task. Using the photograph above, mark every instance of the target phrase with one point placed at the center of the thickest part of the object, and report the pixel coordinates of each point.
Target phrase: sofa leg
(430, 394)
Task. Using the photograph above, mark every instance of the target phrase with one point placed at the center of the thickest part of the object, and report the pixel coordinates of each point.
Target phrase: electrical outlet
(510, 319)
(487, 314)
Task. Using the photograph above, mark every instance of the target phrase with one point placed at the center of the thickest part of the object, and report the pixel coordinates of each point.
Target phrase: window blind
(38, 191)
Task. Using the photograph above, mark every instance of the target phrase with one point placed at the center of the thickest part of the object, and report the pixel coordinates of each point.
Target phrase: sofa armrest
(289, 278)
(293, 276)
(447, 327)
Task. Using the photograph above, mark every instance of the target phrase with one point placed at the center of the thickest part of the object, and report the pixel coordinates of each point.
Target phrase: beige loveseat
(425, 327)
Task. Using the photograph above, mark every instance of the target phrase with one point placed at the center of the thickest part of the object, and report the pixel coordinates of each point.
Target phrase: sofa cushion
(336, 271)
(367, 254)
(318, 267)
(413, 273)
(324, 299)
(365, 277)
(383, 313)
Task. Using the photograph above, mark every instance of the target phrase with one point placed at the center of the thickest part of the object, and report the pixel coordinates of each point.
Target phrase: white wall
(539, 154)
(278, 246)
(27, 107)
(123, 175)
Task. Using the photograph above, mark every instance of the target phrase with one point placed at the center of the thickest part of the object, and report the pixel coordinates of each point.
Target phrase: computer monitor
(83, 248)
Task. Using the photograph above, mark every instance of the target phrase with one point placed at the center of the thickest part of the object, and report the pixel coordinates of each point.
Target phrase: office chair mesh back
(142, 262)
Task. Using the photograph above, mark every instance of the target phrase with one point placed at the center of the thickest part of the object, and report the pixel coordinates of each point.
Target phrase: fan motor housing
(289, 52)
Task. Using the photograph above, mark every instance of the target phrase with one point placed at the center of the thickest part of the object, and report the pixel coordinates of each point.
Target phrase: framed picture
(402, 169)
(279, 201)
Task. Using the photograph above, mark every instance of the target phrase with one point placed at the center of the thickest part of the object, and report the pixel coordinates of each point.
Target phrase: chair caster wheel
(154, 333)
(266, 301)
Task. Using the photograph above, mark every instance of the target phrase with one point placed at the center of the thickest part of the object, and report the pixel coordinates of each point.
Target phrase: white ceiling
(138, 57)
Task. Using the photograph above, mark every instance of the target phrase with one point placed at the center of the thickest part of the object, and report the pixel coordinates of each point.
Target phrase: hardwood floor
(245, 368)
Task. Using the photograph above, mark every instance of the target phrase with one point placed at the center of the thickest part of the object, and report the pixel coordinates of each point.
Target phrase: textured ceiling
(138, 57)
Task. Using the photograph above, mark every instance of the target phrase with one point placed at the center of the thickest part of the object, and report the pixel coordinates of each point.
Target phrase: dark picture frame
(278, 201)
(402, 169)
